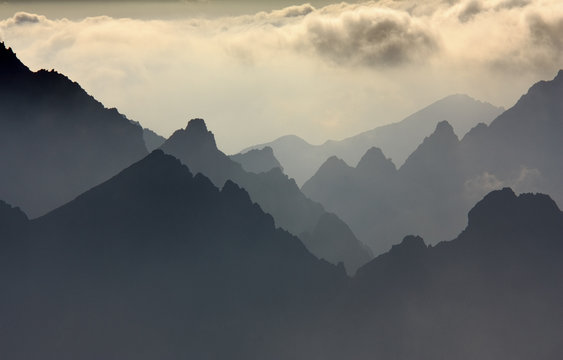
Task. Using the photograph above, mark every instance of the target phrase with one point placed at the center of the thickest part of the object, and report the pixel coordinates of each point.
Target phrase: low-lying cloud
(321, 73)
(526, 181)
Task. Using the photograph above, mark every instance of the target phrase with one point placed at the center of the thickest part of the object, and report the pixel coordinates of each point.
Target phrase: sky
(257, 70)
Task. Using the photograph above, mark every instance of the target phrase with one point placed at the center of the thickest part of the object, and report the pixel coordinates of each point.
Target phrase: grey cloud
(296, 11)
(510, 4)
(22, 18)
(542, 48)
(546, 32)
(371, 39)
(472, 8)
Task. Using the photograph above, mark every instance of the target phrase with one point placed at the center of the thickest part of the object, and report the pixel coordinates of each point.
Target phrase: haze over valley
(398, 193)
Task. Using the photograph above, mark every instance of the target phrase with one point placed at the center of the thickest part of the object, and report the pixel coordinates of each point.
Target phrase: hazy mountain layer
(56, 141)
(275, 193)
(257, 160)
(444, 177)
(157, 263)
(152, 140)
(398, 140)
(495, 292)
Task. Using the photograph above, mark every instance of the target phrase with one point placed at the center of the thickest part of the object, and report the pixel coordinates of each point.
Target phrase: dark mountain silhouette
(275, 193)
(195, 146)
(398, 140)
(56, 141)
(12, 220)
(443, 177)
(257, 160)
(157, 263)
(152, 140)
(495, 292)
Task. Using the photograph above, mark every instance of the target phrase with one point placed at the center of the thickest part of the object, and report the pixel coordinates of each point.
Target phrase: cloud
(526, 181)
(23, 18)
(509, 4)
(321, 73)
(471, 9)
(372, 37)
(548, 33)
(293, 11)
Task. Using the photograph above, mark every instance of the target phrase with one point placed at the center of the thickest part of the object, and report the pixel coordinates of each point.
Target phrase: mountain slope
(301, 159)
(522, 147)
(275, 193)
(152, 140)
(257, 160)
(440, 181)
(56, 141)
(494, 292)
(400, 139)
(157, 263)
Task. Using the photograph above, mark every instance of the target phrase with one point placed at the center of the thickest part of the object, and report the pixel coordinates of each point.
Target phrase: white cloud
(526, 181)
(321, 73)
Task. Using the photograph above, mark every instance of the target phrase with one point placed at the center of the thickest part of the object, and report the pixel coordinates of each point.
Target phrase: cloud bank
(326, 72)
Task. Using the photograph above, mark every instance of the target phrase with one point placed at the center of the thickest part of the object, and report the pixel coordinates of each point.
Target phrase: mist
(278, 70)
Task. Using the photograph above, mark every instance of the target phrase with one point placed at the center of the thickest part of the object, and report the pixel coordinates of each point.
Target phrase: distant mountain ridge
(301, 159)
(493, 292)
(152, 140)
(156, 262)
(258, 160)
(445, 176)
(159, 261)
(275, 193)
(56, 141)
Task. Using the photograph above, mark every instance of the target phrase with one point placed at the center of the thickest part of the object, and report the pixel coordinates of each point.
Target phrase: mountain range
(110, 252)
(440, 181)
(158, 263)
(56, 141)
(398, 140)
(275, 193)
(494, 292)
(258, 160)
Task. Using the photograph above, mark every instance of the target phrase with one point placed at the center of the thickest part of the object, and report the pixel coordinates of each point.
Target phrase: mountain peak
(411, 244)
(437, 148)
(10, 65)
(197, 130)
(375, 161)
(502, 210)
(333, 164)
(335, 161)
(443, 136)
(197, 126)
(194, 137)
(444, 127)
